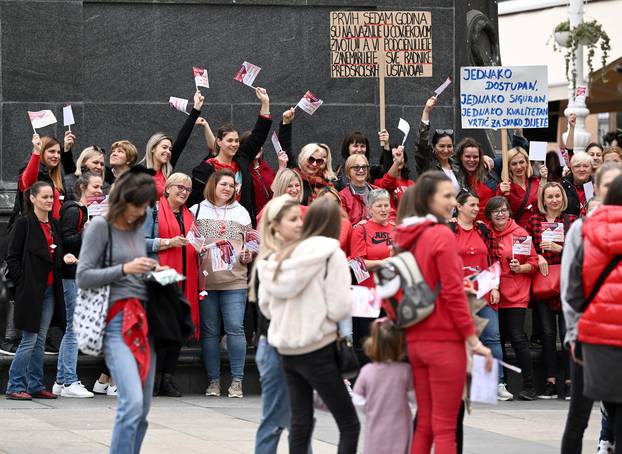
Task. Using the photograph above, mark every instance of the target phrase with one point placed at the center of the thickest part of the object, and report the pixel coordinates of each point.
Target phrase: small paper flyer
(247, 73)
(553, 231)
(488, 279)
(276, 143)
(360, 270)
(200, 77)
(484, 383)
(309, 103)
(365, 302)
(179, 104)
(521, 245)
(195, 238)
(443, 86)
(251, 240)
(68, 119)
(97, 206)
(222, 256)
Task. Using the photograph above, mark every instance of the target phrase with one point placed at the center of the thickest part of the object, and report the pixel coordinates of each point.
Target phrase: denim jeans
(68, 353)
(228, 306)
(26, 372)
(490, 337)
(130, 424)
(345, 328)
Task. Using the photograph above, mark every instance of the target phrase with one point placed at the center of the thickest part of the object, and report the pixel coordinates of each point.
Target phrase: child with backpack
(384, 389)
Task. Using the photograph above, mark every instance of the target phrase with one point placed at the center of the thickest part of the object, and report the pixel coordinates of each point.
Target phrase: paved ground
(197, 424)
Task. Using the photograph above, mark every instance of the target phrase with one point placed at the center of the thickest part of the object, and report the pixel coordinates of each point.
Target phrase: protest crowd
(380, 284)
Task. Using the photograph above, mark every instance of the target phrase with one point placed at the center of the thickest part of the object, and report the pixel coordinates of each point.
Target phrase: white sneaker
(503, 393)
(605, 447)
(99, 387)
(76, 390)
(112, 390)
(56, 389)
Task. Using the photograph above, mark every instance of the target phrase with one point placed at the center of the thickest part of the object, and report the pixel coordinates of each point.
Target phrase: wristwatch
(167, 242)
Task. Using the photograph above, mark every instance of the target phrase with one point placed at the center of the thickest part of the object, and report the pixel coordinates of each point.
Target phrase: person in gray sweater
(114, 253)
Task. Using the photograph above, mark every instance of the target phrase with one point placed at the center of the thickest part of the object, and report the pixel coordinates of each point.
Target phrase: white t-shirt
(454, 180)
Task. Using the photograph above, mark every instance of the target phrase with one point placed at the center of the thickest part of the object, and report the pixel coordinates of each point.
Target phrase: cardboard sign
(41, 118)
(247, 74)
(178, 104)
(443, 86)
(405, 128)
(309, 103)
(493, 97)
(97, 206)
(521, 245)
(68, 116)
(275, 143)
(553, 231)
(365, 302)
(200, 77)
(360, 270)
(355, 43)
(537, 151)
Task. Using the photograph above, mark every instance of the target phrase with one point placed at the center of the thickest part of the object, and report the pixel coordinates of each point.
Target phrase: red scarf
(316, 184)
(168, 227)
(135, 332)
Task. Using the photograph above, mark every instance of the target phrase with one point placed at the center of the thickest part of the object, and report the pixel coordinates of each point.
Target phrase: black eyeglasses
(359, 168)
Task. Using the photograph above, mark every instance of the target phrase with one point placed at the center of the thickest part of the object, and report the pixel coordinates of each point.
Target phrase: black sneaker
(550, 391)
(528, 394)
(567, 390)
(50, 349)
(168, 388)
(9, 347)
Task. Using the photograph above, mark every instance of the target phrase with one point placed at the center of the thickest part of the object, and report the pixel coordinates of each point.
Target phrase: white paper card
(97, 206)
(488, 279)
(537, 151)
(405, 128)
(309, 103)
(276, 143)
(178, 104)
(200, 77)
(360, 270)
(364, 302)
(589, 190)
(484, 383)
(443, 86)
(562, 161)
(41, 118)
(247, 73)
(521, 245)
(553, 231)
(68, 116)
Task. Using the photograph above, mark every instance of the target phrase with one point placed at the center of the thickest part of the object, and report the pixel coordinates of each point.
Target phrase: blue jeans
(490, 337)
(228, 306)
(345, 328)
(130, 424)
(68, 353)
(26, 372)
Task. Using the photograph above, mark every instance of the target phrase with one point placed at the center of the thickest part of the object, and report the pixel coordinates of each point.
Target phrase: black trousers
(512, 327)
(552, 324)
(167, 355)
(318, 370)
(578, 413)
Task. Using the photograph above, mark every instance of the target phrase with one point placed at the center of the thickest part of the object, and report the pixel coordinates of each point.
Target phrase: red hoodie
(514, 288)
(30, 176)
(434, 247)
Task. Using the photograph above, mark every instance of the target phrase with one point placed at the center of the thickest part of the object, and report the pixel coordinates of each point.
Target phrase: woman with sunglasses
(315, 170)
(438, 156)
(166, 226)
(355, 142)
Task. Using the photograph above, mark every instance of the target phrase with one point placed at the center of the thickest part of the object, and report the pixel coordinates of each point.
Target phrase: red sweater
(484, 193)
(30, 176)
(395, 186)
(371, 241)
(516, 197)
(434, 247)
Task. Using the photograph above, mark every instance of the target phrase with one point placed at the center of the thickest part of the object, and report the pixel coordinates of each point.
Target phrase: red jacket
(396, 187)
(354, 204)
(601, 323)
(516, 197)
(514, 288)
(484, 193)
(30, 176)
(434, 248)
(262, 176)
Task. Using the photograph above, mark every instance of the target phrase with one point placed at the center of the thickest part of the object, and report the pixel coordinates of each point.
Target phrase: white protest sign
(443, 86)
(537, 151)
(488, 279)
(247, 74)
(68, 117)
(553, 231)
(309, 103)
(200, 77)
(493, 97)
(178, 104)
(364, 302)
(483, 382)
(276, 143)
(588, 188)
(521, 245)
(41, 118)
(405, 128)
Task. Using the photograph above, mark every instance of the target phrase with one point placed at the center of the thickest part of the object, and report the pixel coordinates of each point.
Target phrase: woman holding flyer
(223, 222)
(547, 230)
(578, 184)
(522, 189)
(166, 226)
(315, 169)
(510, 245)
(162, 153)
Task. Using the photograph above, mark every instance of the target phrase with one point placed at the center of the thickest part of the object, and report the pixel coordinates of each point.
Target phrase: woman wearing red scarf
(166, 228)
(315, 169)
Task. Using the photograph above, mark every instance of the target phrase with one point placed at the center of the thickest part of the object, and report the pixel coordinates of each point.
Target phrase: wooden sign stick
(505, 171)
(381, 73)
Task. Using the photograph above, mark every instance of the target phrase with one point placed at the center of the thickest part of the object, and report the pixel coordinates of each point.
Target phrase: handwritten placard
(504, 97)
(355, 41)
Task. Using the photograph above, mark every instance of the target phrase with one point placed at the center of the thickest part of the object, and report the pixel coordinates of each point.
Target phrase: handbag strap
(108, 249)
(601, 279)
(525, 200)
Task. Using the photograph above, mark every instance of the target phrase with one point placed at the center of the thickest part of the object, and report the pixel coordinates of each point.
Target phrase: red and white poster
(553, 231)
(41, 118)
(247, 73)
(365, 302)
(200, 77)
(360, 270)
(275, 142)
(521, 245)
(310, 103)
(178, 104)
(252, 240)
(97, 205)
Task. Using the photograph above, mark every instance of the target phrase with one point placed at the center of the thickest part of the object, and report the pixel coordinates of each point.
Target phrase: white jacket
(310, 295)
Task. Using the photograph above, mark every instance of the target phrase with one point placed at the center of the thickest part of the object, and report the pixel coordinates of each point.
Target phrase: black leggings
(578, 413)
(549, 333)
(512, 327)
(614, 414)
(318, 370)
(167, 354)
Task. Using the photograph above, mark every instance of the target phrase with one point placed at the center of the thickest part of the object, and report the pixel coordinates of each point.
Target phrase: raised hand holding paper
(443, 86)
(309, 103)
(41, 119)
(276, 143)
(68, 117)
(405, 128)
(178, 104)
(537, 151)
(247, 74)
(200, 77)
